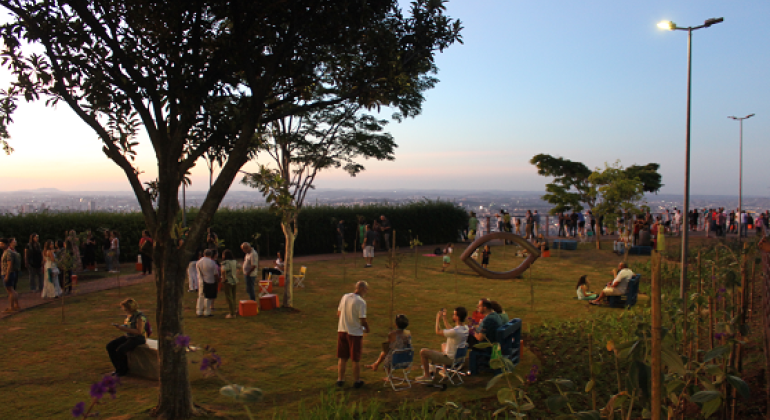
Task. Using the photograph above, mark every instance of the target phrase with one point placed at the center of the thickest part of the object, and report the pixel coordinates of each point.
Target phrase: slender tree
(207, 75)
(303, 146)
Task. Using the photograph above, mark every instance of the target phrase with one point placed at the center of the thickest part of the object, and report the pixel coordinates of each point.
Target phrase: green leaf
(674, 386)
(556, 402)
(440, 414)
(505, 394)
(482, 346)
(492, 382)
(672, 360)
(705, 396)
(589, 386)
(714, 370)
(589, 415)
(716, 352)
(499, 411)
(496, 364)
(526, 407)
(565, 384)
(710, 407)
(740, 385)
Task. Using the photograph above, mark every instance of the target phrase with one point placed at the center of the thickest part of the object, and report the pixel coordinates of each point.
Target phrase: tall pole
(740, 184)
(184, 206)
(740, 174)
(683, 286)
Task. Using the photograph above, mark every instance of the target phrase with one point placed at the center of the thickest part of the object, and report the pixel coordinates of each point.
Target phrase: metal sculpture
(533, 254)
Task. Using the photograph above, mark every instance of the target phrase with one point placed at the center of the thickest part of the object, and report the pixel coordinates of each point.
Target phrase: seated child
(582, 290)
(447, 256)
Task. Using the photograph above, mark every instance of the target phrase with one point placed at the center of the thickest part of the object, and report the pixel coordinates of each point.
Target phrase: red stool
(248, 308)
(74, 280)
(138, 266)
(268, 302)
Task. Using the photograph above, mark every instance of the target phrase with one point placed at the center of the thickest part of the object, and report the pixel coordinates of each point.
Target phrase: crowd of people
(464, 331)
(51, 264)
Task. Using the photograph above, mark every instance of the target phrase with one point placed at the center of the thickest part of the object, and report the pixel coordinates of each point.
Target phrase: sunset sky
(593, 81)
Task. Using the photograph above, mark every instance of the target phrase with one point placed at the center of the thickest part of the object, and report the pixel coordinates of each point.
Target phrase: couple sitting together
(400, 339)
(457, 337)
(617, 287)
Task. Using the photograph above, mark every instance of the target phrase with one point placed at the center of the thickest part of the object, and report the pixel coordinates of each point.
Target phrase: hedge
(434, 222)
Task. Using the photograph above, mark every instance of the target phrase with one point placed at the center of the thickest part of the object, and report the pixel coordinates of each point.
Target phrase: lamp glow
(667, 25)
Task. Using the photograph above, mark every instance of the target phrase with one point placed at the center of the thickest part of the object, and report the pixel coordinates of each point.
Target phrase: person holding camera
(133, 326)
(456, 337)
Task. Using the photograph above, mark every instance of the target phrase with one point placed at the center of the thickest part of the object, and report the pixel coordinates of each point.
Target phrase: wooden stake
(657, 329)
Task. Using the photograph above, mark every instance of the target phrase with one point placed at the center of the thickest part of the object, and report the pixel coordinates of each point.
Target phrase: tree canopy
(575, 186)
(203, 77)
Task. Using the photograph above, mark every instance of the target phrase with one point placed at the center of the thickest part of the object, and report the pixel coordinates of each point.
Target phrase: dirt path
(29, 300)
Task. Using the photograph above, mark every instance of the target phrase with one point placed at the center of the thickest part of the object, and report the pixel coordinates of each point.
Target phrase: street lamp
(671, 26)
(740, 175)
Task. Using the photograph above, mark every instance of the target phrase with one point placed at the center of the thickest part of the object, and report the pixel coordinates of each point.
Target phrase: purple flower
(182, 341)
(110, 384)
(79, 410)
(205, 363)
(97, 391)
(722, 291)
(532, 375)
(211, 361)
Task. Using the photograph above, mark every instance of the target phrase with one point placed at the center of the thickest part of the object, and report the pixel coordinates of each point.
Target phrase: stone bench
(143, 361)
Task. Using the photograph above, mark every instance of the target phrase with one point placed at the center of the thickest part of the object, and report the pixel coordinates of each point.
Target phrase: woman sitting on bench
(133, 326)
(398, 339)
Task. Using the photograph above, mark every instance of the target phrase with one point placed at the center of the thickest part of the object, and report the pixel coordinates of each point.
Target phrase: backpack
(437, 251)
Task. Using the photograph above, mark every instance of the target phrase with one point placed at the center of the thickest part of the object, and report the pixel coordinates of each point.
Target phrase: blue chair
(400, 360)
(454, 371)
(632, 292)
(509, 337)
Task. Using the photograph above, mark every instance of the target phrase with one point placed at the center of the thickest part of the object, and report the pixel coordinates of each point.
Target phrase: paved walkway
(29, 300)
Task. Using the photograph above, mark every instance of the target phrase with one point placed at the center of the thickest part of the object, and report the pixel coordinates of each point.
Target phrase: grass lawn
(49, 366)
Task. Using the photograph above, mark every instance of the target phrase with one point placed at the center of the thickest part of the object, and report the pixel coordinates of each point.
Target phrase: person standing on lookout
(350, 333)
(370, 240)
(386, 230)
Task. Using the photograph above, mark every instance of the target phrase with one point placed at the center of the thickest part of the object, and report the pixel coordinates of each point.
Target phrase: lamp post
(671, 26)
(740, 175)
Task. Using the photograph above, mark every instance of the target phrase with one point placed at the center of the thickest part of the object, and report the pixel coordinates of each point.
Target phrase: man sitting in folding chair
(396, 354)
(456, 338)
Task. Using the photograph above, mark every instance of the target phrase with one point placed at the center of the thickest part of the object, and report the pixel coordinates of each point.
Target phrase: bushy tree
(204, 76)
(605, 192)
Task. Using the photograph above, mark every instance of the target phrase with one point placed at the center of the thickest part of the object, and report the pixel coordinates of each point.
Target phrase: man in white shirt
(455, 337)
(208, 274)
(250, 268)
(616, 287)
(350, 333)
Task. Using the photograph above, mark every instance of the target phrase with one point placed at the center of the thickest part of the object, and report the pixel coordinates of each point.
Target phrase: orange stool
(281, 281)
(138, 266)
(546, 254)
(265, 287)
(248, 308)
(268, 302)
(74, 280)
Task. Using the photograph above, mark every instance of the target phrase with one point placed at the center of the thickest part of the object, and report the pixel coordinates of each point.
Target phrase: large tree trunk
(290, 234)
(175, 396)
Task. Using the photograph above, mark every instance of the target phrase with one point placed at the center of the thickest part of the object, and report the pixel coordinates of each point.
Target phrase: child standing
(485, 256)
(447, 256)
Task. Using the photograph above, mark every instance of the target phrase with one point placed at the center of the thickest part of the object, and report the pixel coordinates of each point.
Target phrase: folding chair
(454, 371)
(400, 360)
(264, 287)
(299, 279)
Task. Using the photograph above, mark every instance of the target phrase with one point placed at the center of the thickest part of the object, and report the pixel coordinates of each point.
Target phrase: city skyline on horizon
(530, 78)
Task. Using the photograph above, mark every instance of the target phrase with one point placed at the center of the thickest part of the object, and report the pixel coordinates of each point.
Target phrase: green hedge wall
(434, 222)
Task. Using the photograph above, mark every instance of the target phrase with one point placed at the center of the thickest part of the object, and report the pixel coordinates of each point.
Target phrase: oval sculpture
(534, 254)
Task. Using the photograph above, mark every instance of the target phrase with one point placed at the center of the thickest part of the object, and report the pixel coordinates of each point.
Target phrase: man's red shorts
(349, 346)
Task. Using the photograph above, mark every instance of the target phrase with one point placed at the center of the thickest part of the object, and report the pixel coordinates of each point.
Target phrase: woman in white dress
(51, 288)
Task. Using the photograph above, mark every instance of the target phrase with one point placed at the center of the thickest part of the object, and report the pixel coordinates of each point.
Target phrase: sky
(591, 81)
